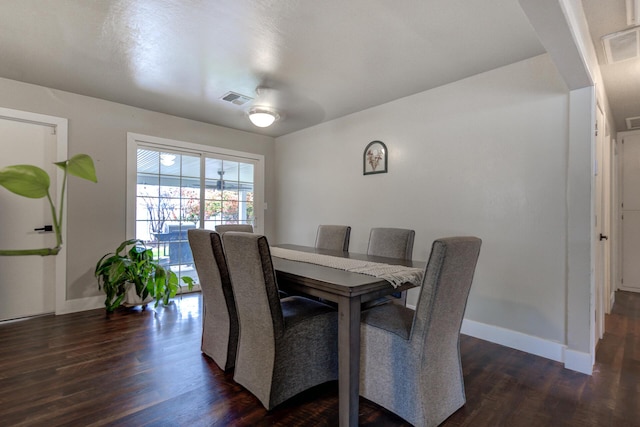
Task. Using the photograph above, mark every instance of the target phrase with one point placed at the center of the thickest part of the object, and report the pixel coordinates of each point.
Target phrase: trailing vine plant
(33, 182)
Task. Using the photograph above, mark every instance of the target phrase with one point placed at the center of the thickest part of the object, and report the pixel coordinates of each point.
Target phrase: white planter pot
(132, 299)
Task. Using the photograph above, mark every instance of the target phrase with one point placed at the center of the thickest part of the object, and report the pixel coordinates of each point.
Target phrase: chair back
(246, 228)
(220, 324)
(275, 362)
(391, 242)
(444, 293)
(333, 237)
(254, 286)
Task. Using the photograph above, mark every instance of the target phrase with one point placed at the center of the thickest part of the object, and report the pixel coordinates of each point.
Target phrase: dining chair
(410, 360)
(285, 346)
(391, 243)
(220, 318)
(333, 237)
(246, 228)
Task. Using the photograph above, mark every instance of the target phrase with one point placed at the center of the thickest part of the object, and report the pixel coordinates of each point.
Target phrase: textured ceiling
(621, 79)
(324, 59)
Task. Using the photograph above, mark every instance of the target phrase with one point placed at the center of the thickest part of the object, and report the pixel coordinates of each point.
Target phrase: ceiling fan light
(263, 117)
(167, 159)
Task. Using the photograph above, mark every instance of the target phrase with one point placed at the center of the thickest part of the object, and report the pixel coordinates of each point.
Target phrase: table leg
(348, 359)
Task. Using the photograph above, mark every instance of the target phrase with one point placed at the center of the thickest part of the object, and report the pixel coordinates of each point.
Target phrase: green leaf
(25, 180)
(112, 305)
(150, 284)
(189, 282)
(80, 165)
(125, 244)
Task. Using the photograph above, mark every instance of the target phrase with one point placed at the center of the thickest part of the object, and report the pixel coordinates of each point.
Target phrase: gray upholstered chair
(220, 320)
(333, 237)
(410, 361)
(246, 228)
(391, 243)
(285, 346)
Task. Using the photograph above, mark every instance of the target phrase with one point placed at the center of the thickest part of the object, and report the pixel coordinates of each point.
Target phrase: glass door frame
(136, 141)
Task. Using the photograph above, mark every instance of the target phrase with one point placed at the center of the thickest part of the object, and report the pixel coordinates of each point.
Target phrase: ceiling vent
(633, 123)
(622, 45)
(236, 98)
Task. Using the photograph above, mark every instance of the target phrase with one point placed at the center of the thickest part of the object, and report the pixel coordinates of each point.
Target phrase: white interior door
(599, 228)
(607, 221)
(630, 280)
(27, 283)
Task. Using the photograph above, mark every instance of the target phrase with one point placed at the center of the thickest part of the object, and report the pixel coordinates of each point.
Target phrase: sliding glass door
(177, 190)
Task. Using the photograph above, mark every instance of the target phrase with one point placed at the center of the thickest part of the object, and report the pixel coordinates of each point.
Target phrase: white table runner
(394, 274)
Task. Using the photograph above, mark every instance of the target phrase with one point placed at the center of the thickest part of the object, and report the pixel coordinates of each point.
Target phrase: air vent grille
(236, 98)
(633, 123)
(622, 45)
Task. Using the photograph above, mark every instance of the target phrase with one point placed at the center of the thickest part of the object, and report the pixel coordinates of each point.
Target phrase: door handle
(603, 237)
(45, 228)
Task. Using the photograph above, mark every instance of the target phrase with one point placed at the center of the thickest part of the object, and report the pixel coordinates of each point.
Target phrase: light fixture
(220, 183)
(263, 116)
(167, 159)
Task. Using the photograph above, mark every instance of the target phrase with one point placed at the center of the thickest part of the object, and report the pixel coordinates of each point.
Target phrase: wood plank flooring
(144, 368)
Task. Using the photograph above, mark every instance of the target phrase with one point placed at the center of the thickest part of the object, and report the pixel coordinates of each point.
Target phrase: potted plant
(131, 270)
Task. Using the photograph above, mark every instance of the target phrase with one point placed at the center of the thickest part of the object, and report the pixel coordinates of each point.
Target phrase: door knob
(45, 228)
(603, 237)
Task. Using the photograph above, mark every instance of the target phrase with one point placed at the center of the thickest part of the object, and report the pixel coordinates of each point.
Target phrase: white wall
(485, 156)
(96, 212)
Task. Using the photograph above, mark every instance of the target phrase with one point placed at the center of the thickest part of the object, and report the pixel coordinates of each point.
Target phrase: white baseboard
(82, 304)
(612, 300)
(518, 340)
(91, 303)
(629, 288)
(573, 360)
(578, 361)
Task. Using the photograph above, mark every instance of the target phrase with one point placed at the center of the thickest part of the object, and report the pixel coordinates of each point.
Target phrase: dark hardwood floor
(144, 368)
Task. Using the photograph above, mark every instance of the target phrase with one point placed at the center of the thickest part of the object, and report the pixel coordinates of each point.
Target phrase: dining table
(349, 290)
